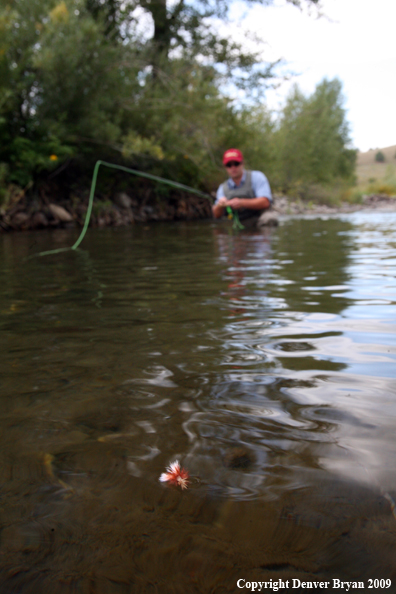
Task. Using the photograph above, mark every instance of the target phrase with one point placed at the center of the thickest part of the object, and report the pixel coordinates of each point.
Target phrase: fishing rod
(231, 214)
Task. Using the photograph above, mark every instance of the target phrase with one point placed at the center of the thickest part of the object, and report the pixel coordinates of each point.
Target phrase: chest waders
(245, 190)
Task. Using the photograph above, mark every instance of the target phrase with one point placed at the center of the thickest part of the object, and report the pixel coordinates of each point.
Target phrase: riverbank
(118, 210)
(286, 206)
(123, 210)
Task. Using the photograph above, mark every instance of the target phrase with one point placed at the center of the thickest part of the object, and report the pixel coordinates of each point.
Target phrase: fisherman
(246, 192)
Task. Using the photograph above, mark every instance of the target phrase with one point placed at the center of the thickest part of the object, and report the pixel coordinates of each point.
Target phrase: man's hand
(219, 208)
(260, 203)
(222, 202)
(236, 203)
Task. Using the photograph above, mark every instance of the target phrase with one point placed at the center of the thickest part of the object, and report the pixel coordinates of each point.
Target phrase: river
(264, 362)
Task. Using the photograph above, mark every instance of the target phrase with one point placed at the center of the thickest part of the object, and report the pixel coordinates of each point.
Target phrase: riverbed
(265, 362)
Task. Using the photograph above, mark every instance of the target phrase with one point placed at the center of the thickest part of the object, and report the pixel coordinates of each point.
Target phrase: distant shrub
(353, 196)
(386, 186)
(318, 194)
(380, 157)
(387, 189)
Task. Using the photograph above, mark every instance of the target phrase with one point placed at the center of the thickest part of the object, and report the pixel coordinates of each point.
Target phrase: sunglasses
(233, 164)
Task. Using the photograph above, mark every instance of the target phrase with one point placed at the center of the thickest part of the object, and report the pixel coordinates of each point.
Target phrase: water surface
(265, 362)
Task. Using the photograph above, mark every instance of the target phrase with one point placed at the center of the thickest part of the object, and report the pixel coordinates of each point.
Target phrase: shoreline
(124, 211)
(286, 206)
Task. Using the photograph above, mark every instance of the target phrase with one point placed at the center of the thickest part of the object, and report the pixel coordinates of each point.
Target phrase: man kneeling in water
(247, 192)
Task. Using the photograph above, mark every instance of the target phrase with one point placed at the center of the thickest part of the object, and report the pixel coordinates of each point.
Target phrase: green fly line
(231, 214)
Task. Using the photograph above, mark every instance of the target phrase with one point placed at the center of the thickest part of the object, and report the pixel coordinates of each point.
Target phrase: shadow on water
(263, 361)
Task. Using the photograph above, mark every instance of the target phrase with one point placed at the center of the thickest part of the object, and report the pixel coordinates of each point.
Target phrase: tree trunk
(161, 27)
(162, 33)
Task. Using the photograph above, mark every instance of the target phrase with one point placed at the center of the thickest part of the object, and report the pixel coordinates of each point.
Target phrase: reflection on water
(264, 362)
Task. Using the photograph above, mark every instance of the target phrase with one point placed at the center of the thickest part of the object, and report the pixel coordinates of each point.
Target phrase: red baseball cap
(232, 155)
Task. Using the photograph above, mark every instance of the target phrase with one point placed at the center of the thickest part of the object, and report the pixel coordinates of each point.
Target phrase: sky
(354, 41)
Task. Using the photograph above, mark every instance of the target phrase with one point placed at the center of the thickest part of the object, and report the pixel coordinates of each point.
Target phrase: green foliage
(312, 137)
(30, 156)
(61, 87)
(83, 81)
(180, 118)
(133, 144)
(380, 157)
(24, 143)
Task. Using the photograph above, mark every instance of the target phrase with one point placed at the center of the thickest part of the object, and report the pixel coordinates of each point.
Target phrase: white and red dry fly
(175, 475)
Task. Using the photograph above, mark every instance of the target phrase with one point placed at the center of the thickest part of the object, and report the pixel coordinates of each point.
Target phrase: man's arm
(218, 208)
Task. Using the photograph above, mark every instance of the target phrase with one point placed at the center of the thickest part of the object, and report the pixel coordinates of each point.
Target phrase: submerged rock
(238, 458)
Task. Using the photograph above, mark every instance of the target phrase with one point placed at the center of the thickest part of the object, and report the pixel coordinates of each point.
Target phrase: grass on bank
(375, 177)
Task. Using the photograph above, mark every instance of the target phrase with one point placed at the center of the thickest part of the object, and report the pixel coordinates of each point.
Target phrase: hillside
(369, 171)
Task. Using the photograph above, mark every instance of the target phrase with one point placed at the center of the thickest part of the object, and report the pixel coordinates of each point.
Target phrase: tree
(62, 85)
(188, 29)
(20, 30)
(313, 136)
(84, 80)
(380, 157)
